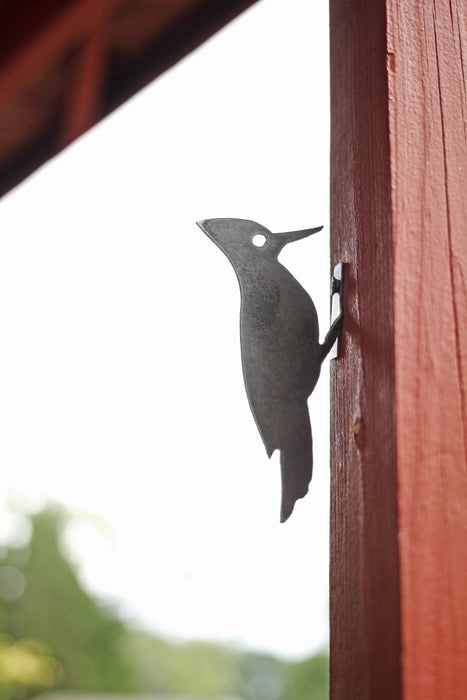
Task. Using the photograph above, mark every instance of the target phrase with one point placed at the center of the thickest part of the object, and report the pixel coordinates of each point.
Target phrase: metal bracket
(337, 292)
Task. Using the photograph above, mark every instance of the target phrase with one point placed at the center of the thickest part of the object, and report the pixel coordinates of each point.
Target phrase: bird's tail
(296, 470)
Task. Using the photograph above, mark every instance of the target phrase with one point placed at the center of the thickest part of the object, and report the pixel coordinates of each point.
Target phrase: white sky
(121, 392)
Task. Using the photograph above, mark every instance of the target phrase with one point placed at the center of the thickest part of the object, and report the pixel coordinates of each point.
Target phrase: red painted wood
(82, 105)
(55, 26)
(364, 605)
(427, 61)
(40, 84)
(399, 436)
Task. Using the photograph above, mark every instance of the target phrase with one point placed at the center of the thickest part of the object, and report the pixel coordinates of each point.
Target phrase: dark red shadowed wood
(365, 633)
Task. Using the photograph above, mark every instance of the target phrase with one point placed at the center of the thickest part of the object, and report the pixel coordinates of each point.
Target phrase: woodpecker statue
(281, 352)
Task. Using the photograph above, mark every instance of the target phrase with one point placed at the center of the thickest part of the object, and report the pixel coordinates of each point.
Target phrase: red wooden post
(427, 44)
(399, 480)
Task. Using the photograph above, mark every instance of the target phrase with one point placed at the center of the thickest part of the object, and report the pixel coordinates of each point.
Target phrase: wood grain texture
(364, 609)
(50, 91)
(83, 103)
(427, 69)
(399, 436)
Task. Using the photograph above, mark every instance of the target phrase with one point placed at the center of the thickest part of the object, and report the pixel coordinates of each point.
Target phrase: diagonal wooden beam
(39, 32)
(85, 92)
(59, 78)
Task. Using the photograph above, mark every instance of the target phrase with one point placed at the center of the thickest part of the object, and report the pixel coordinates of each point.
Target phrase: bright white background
(121, 392)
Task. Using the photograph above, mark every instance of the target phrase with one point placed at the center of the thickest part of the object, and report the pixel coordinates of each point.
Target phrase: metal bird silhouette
(281, 352)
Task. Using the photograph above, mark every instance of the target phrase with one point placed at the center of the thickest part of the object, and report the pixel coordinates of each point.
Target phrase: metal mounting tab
(337, 291)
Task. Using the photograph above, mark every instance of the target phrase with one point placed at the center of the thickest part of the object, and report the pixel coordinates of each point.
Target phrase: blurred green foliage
(53, 634)
(55, 610)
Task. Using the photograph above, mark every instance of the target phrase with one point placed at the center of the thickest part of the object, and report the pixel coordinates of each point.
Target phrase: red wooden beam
(39, 32)
(427, 67)
(364, 606)
(399, 477)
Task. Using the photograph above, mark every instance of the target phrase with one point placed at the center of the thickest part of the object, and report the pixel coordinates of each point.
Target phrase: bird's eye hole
(259, 240)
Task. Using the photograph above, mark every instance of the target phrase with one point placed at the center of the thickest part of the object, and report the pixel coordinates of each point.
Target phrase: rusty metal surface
(281, 352)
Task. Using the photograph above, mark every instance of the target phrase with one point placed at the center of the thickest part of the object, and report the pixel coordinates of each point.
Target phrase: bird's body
(281, 353)
(280, 347)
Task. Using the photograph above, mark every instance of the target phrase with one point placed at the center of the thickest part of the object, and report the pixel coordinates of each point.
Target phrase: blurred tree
(54, 634)
(214, 671)
(186, 669)
(260, 677)
(26, 665)
(45, 601)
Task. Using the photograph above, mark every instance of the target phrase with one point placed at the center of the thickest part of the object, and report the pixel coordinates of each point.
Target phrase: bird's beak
(205, 226)
(291, 236)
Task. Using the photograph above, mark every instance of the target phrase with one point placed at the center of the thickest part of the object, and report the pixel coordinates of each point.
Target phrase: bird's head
(242, 240)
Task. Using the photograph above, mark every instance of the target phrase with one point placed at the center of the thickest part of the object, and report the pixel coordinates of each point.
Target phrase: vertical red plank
(364, 611)
(427, 45)
(399, 479)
